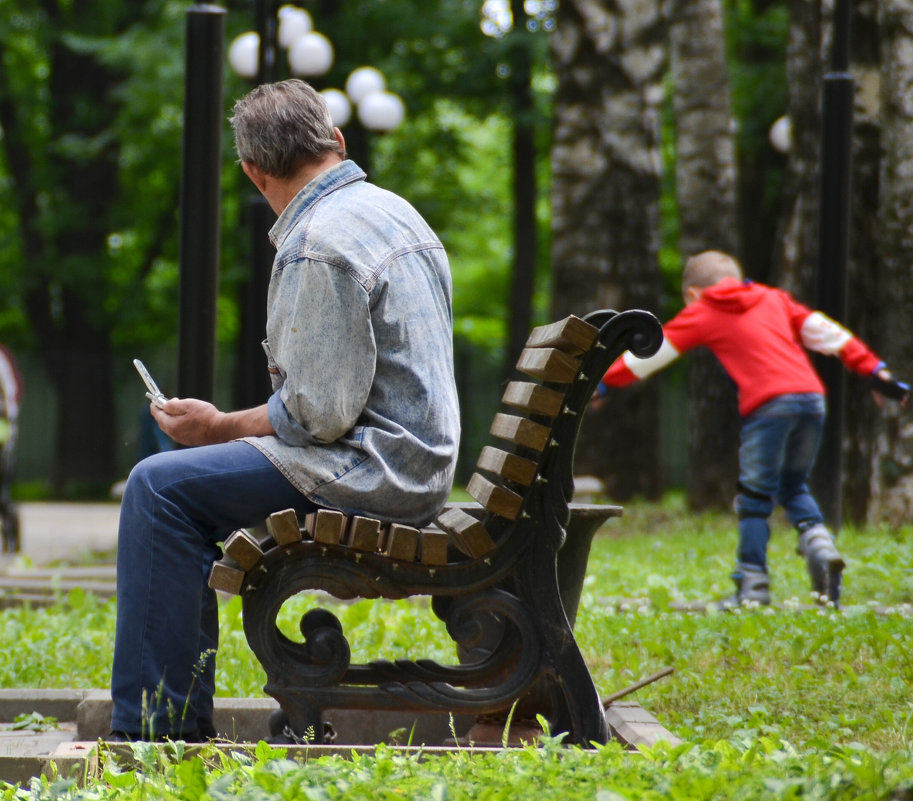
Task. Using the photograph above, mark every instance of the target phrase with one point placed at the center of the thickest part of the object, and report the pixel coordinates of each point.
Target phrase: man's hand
(189, 421)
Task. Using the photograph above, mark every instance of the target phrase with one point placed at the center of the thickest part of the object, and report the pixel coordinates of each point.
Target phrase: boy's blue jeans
(779, 442)
(177, 506)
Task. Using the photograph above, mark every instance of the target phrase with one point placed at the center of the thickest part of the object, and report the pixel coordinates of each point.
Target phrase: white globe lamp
(293, 24)
(311, 54)
(781, 135)
(244, 54)
(339, 105)
(381, 111)
(363, 82)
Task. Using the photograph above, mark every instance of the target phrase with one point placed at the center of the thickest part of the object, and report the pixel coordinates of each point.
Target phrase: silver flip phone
(153, 392)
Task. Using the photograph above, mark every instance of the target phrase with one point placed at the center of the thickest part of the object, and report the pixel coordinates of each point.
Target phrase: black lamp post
(199, 206)
(833, 251)
(255, 55)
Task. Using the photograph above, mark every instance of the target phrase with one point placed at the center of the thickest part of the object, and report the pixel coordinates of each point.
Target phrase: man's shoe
(199, 735)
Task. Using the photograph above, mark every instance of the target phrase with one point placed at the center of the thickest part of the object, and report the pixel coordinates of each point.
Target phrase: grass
(791, 701)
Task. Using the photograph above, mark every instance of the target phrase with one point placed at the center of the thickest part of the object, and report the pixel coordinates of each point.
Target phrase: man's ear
(256, 175)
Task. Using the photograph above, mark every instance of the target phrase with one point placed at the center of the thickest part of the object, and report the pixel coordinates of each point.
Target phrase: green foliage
(757, 35)
(811, 676)
(792, 701)
(766, 768)
(34, 721)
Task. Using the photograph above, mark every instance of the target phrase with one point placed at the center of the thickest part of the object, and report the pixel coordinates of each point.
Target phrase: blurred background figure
(10, 399)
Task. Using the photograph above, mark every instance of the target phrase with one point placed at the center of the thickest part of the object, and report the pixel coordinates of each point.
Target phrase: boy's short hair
(707, 268)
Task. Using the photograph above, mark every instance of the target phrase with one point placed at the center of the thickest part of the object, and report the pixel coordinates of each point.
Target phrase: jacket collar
(339, 175)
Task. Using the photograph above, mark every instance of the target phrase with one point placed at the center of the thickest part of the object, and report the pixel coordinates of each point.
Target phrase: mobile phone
(153, 392)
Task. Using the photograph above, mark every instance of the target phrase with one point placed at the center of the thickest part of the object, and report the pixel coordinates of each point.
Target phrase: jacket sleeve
(821, 334)
(325, 348)
(627, 368)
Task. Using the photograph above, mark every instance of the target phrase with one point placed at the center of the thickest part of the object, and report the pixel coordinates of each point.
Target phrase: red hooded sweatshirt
(760, 335)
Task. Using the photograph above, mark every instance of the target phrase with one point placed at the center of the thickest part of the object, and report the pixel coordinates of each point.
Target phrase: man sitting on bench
(363, 417)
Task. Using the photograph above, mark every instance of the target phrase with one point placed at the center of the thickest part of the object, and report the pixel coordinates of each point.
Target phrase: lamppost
(833, 250)
(310, 55)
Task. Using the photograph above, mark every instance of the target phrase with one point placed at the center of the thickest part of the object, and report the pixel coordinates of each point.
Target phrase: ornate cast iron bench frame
(502, 560)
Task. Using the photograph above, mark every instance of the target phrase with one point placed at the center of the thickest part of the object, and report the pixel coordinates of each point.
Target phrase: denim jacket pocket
(276, 376)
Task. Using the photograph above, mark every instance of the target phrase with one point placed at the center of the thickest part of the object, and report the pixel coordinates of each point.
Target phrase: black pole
(252, 385)
(833, 252)
(200, 206)
(267, 22)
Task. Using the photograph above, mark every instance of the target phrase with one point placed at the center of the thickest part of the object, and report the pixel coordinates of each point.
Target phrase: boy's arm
(627, 368)
(823, 335)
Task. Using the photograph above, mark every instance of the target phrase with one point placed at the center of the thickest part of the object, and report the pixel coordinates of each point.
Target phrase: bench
(500, 557)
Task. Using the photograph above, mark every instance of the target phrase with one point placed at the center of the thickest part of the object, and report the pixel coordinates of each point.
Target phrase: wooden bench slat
(226, 576)
(363, 534)
(548, 364)
(283, 527)
(243, 548)
(433, 547)
(468, 534)
(533, 398)
(498, 500)
(401, 542)
(326, 526)
(571, 335)
(520, 431)
(507, 465)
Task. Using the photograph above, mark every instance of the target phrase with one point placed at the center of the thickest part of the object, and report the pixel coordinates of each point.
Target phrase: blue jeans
(177, 506)
(779, 444)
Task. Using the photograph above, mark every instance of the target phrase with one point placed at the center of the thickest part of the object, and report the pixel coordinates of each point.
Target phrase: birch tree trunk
(796, 253)
(609, 59)
(706, 194)
(892, 459)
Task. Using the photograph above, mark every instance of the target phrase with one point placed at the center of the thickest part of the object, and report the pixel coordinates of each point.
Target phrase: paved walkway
(51, 532)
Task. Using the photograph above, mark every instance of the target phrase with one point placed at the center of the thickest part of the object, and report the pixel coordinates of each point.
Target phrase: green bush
(790, 701)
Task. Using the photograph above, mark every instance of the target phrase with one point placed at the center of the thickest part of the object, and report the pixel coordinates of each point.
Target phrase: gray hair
(280, 126)
(706, 268)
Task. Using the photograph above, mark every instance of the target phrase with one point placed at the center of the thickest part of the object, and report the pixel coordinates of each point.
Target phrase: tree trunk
(796, 252)
(64, 225)
(609, 63)
(892, 459)
(525, 235)
(706, 195)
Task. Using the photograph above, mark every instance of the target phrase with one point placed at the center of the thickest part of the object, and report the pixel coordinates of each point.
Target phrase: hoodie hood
(732, 295)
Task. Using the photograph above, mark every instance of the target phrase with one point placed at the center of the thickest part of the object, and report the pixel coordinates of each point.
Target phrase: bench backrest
(506, 473)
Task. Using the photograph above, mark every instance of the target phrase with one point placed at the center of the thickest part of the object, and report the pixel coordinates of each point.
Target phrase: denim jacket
(360, 352)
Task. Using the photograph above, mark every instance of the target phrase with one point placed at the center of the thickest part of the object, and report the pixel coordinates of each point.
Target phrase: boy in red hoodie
(760, 335)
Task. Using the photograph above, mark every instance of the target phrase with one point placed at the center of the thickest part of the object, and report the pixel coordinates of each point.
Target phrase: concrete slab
(24, 754)
(247, 720)
(630, 723)
(60, 704)
(50, 532)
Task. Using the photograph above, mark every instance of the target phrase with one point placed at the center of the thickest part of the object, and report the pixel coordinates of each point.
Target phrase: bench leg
(297, 721)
